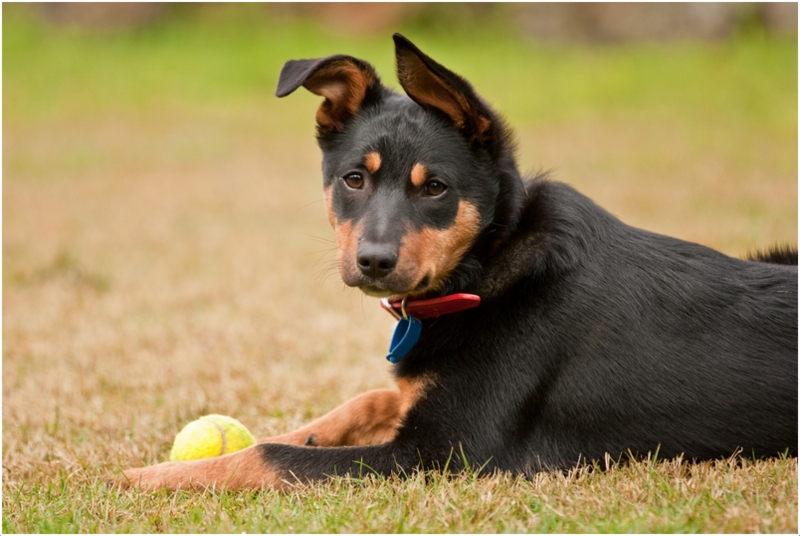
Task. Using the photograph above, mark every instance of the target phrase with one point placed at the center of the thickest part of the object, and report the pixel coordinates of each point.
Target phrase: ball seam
(222, 433)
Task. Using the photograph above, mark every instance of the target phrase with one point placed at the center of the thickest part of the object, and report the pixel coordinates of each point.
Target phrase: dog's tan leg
(368, 419)
(243, 469)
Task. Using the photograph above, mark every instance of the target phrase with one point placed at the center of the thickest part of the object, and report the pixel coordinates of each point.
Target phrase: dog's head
(417, 188)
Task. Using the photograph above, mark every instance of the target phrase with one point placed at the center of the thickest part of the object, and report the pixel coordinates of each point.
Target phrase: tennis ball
(209, 436)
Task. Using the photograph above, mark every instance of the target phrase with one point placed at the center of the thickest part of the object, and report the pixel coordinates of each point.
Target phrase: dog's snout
(376, 260)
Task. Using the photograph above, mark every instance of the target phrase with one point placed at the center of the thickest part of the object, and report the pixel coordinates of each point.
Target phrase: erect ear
(431, 85)
(344, 81)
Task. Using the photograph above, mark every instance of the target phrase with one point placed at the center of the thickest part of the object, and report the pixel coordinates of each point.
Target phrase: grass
(165, 255)
(668, 496)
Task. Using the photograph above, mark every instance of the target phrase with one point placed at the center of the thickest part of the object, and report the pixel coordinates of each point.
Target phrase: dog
(536, 331)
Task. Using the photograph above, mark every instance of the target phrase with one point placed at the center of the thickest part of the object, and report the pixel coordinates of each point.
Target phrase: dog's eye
(354, 181)
(434, 188)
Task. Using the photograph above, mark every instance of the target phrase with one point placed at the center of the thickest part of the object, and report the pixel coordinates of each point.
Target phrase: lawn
(166, 255)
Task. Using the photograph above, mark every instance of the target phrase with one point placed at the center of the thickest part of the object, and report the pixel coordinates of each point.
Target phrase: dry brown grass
(169, 263)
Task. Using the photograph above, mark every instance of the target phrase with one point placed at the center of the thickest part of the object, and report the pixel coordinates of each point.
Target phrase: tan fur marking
(368, 419)
(347, 245)
(436, 252)
(372, 162)
(344, 86)
(329, 206)
(412, 390)
(433, 90)
(243, 469)
(428, 88)
(418, 174)
(346, 240)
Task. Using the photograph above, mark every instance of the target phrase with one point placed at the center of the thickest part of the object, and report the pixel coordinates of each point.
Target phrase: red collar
(433, 308)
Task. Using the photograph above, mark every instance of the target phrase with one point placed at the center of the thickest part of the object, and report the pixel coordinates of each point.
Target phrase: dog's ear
(433, 86)
(344, 81)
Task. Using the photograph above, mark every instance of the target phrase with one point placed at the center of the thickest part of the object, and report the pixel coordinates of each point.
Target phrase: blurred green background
(67, 61)
(608, 95)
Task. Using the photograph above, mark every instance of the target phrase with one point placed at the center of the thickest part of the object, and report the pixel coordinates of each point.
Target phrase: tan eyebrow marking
(372, 161)
(418, 173)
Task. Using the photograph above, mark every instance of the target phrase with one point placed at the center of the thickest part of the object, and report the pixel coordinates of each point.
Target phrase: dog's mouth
(377, 292)
(385, 289)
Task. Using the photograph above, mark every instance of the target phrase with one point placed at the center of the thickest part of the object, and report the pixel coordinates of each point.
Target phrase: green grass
(640, 497)
(166, 255)
(207, 62)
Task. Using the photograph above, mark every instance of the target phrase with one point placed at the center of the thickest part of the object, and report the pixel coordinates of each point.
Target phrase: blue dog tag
(406, 335)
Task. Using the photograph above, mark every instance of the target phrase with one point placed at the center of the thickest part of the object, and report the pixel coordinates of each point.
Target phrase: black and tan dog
(591, 337)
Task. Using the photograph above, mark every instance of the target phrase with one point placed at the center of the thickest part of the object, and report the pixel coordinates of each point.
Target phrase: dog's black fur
(592, 336)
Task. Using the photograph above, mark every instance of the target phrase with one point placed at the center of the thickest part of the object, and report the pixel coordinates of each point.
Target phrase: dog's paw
(155, 477)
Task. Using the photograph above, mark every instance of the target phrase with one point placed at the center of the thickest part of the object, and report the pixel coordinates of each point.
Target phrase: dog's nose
(376, 260)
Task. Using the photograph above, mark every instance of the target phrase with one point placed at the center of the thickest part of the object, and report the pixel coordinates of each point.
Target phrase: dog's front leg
(270, 465)
(368, 419)
(243, 469)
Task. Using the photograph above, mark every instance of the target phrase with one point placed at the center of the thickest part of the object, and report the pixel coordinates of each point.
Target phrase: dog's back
(776, 255)
(660, 343)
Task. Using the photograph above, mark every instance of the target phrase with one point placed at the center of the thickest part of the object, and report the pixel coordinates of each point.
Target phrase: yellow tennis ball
(209, 436)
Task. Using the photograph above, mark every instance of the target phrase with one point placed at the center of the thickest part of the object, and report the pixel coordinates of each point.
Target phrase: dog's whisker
(321, 239)
(311, 203)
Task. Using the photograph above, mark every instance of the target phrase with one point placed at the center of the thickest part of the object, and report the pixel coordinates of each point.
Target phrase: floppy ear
(431, 85)
(344, 81)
